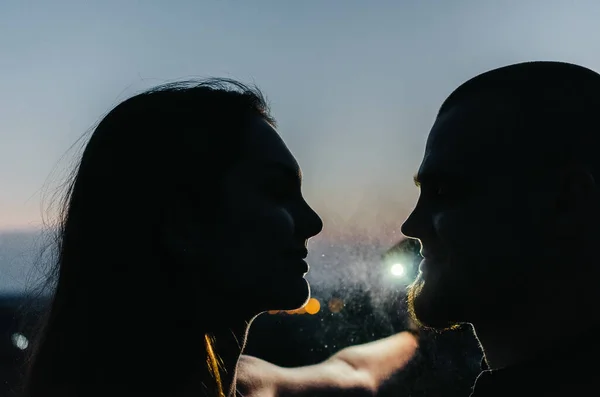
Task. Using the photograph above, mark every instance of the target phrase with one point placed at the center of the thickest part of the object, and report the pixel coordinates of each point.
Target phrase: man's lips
(428, 259)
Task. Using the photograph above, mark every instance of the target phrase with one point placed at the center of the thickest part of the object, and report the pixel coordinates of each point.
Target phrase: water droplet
(20, 341)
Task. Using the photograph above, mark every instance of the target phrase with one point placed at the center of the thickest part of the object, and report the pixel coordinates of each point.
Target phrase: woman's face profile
(257, 251)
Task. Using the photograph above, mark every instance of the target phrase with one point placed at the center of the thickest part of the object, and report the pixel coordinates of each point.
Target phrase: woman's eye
(279, 194)
(280, 191)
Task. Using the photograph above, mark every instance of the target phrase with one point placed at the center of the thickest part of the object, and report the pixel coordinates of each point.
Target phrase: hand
(354, 371)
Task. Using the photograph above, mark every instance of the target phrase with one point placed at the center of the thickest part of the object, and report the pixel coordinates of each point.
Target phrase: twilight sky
(355, 85)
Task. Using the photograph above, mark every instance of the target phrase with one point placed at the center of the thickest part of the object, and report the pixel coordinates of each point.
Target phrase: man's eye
(444, 191)
(452, 192)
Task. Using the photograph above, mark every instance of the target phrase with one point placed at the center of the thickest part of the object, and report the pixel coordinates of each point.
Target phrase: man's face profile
(474, 218)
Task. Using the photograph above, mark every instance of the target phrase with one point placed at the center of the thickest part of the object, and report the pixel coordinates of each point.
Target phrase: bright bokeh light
(20, 341)
(397, 270)
(312, 306)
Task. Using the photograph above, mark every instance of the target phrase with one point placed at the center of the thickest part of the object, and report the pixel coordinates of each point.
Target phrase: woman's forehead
(264, 146)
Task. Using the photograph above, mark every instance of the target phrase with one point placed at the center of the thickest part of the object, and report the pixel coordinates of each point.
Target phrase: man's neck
(504, 346)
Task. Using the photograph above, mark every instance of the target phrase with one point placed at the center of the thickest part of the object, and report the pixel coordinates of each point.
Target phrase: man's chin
(429, 309)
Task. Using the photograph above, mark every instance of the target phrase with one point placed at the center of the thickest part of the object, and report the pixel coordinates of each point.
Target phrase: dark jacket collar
(567, 366)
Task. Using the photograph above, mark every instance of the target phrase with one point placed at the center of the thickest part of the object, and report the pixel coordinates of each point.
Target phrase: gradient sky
(355, 85)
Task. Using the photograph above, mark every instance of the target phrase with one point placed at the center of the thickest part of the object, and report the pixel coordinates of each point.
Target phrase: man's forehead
(468, 140)
(474, 124)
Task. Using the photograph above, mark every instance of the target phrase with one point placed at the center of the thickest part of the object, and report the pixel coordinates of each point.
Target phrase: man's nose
(414, 226)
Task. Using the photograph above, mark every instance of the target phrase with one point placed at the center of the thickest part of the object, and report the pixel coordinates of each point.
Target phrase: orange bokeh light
(336, 305)
(312, 306)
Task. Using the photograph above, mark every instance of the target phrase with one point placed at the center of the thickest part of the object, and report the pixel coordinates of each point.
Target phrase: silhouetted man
(509, 221)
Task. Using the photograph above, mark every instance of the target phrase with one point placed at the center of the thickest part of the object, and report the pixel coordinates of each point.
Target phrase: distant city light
(20, 341)
(397, 270)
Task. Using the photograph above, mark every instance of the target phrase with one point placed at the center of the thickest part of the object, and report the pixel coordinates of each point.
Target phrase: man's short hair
(541, 82)
(554, 105)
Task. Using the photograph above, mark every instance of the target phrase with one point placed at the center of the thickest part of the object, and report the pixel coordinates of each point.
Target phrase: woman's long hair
(116, 313)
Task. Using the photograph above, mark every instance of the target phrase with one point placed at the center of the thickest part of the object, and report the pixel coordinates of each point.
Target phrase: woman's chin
(290, 295)
(286, 294)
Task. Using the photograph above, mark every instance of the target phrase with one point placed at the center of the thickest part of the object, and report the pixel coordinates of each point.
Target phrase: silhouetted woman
(183, 220)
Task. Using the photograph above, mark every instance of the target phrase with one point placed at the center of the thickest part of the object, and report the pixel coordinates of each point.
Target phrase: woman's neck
(223, 348)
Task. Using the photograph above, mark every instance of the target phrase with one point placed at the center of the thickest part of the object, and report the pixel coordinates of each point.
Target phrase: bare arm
(354, 371)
